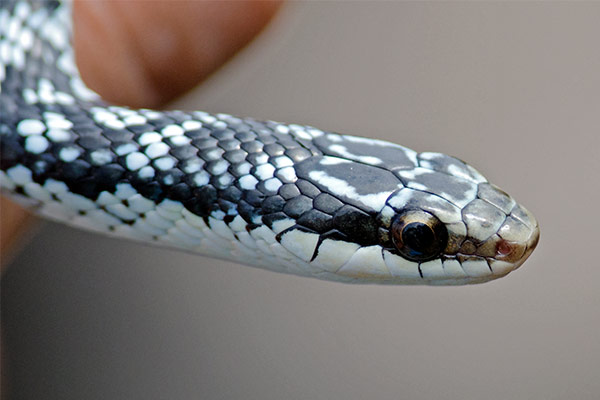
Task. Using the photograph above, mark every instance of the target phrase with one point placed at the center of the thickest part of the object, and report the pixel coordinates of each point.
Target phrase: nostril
(503, 248)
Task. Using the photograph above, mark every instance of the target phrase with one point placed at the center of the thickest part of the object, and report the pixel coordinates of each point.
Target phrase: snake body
(285, 197)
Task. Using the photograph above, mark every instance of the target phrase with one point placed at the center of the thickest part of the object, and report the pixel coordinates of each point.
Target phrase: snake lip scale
(285, 197)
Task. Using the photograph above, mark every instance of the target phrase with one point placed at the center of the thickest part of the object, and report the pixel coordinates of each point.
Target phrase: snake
(288, 198)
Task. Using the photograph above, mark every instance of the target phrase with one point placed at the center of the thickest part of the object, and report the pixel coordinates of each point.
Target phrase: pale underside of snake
(289, 198)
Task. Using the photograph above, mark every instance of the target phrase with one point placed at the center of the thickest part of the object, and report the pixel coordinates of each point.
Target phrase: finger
(148, 53)
(14, 222)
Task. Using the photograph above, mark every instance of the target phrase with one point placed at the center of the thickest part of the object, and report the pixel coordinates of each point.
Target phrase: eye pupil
(419, 237)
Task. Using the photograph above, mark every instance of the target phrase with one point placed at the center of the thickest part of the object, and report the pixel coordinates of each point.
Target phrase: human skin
(145, 54)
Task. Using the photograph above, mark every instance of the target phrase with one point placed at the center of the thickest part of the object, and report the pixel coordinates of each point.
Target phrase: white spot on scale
(168, 179)
(22, 10)
(282, 161)
(46, 96)
(64, 98)
(101, 115)
(328, 160)
(26, 39)
(149, 138)
(146, 172)
(30, 96)
(172, 130)
(59, 123)
(55, 33)
(339, 187)
(214, 154)
(220, 125)
(18, 57)
(66, 64)
(431, 155)
(201, 178)
(334, 138)
(14, 26)
(48, 115)
(58, 135)
(410, 174)
(225, 180)
(36, 144)
(248, 182)
(150, 114)
(282, 129)
(126, 149)
(207, 118)
(101, 157)
(191, 125)
(265, 171)
(114, 124)
(180, 140)
(288, 174)
(37, 18)
(273, 184)
(417, 186)
(68, 154)
(157, 150)
(343, 151)
(220, 167)
(193, 165)
(31, 127)
(5, 52)
(132, 120)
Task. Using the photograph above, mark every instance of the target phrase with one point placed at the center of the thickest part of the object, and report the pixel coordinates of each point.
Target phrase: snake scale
(285, 197)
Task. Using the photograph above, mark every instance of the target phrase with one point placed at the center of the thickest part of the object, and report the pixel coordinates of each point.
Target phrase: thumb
(148, 53)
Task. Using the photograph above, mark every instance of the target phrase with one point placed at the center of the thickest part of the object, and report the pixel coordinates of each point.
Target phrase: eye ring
(419, 235)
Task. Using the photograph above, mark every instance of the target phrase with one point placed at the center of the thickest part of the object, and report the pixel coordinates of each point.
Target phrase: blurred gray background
(514, 89)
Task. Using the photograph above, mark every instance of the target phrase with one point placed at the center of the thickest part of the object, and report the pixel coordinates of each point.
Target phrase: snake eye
(418, 235)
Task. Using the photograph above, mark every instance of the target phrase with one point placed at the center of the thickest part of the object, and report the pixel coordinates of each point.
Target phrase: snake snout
(515, 241)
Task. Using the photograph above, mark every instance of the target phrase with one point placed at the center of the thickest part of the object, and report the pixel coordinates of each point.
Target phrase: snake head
(403, 217)
(454, 224)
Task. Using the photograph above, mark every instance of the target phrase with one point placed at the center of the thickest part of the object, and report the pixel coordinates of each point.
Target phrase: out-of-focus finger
(148, 53)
